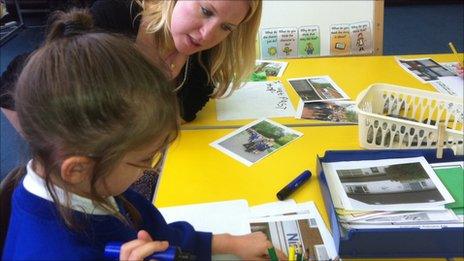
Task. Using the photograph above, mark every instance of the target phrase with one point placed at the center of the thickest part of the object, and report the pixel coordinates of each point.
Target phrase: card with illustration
(425, 70)
(268, 41)
(255, 141)
(270, 68)
(361, 38)
(317, 88)
(333, 111)
(340, 39)
(287, 43)
(309, 42)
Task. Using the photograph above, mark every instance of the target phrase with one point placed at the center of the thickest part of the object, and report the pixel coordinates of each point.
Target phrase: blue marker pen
(173, 253)
(292, 186)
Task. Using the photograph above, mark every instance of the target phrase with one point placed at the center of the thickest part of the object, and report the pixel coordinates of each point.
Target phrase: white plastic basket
(393, 117)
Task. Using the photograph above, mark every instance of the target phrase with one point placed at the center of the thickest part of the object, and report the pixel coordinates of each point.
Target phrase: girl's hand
(142, 247)
(254, 246)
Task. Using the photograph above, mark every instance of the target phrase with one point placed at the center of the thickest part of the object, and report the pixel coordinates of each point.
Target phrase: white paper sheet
(255, 100)
(455, 85)
(216, 217)
(273, 208)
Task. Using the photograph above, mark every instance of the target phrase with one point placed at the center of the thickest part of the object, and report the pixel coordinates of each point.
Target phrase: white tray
(393, 117)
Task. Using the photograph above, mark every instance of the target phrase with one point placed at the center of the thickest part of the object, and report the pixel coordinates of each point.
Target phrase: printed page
(330, 111)
(340, 39)
(255, 100)
(287, 43)
(387, 185)
(361, 38)
(268, 43)
(255, 141)
(305, 230)
(425, 70)
(270, 68)
(317, 88)
(309, 41)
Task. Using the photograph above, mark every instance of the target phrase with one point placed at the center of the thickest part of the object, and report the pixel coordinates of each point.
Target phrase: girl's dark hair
(93, 94)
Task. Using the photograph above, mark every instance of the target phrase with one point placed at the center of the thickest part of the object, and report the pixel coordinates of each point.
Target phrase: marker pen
(173, 253)
(293, 185)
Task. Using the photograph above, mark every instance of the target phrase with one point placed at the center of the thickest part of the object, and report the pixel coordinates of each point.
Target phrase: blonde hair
(90, 94)
(231, 61)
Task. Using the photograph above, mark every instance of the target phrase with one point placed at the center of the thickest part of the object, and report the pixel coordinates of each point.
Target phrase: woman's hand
(142, 247)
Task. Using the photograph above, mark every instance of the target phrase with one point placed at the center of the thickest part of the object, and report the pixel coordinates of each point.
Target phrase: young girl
(95, 113)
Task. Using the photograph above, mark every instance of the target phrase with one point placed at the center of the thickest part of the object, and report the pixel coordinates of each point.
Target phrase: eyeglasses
(155, 162)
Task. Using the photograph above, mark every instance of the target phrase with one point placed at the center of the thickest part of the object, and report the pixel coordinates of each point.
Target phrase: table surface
(194, 172)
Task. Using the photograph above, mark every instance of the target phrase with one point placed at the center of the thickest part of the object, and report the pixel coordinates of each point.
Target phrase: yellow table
(352, 74)
(195, 172)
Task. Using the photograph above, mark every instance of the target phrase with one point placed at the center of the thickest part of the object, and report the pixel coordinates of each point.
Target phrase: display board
(292, 29)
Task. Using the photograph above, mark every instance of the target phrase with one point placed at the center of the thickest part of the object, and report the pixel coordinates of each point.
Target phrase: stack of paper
(444, 77)
(391, 193)
(322, 99)
(285, 223)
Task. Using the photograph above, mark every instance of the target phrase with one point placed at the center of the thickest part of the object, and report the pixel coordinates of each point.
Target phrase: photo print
(331, 111)
(426, 70)
(391, 184)
(318, 88)
(255, 141)
(270, 68)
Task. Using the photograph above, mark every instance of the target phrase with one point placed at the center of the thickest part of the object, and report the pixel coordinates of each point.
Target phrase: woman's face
(200, 25)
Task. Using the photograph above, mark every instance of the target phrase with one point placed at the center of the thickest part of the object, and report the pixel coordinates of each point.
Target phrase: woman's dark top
(120, 16)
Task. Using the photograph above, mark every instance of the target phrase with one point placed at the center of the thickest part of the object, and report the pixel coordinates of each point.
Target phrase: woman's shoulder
(118, 16)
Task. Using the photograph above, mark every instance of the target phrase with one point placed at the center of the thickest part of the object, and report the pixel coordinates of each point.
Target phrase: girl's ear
(76, 169)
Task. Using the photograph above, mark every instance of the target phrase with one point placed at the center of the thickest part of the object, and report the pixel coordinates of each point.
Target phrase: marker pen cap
(293, 185)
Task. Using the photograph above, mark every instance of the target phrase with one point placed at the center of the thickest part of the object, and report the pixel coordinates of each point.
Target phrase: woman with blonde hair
(208, 46)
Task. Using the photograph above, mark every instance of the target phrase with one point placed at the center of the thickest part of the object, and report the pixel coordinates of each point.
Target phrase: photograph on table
(255, 141)
(317, 88)
(301, 235)
(270, 68)
(390, 184)
(332, 111)
(425, 69)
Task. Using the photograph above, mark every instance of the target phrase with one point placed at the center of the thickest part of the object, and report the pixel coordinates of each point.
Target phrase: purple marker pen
(173, 253)
(293, 185)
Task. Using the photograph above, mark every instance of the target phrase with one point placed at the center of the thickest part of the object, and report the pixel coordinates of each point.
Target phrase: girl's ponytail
(68, 24)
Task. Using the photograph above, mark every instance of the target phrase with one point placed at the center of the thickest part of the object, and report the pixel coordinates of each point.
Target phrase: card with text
(287, 43)
(361, 38)
(340, 39)
(268, 43)
(309, 42)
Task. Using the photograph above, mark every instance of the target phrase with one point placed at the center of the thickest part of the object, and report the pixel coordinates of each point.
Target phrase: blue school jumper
(36, 232)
